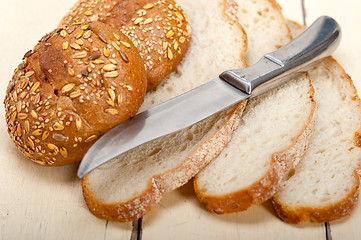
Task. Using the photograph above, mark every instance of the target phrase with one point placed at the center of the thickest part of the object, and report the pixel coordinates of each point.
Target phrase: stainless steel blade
(171, 116)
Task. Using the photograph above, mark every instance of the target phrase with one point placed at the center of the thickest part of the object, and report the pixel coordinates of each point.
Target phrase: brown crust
(337, 210)
(123, 211)
(168, 181)
(68, 92)
(159, 29)
(295, 214)
(281, 164)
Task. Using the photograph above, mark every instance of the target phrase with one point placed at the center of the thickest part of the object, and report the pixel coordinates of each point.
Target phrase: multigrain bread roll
(78, 82)
(158, 28)
(87, 76)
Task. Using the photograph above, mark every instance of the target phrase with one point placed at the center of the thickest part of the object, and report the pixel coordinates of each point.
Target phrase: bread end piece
(297, 214)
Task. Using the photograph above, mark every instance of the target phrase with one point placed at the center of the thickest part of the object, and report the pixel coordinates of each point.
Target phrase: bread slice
(126, 188)
(274, 131)
(325, 184)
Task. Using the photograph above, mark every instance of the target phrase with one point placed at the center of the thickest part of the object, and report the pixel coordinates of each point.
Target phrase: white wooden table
(46, 203)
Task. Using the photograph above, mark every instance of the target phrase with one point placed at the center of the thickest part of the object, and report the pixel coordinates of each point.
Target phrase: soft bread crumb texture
(264, 24)
(270, 124)
(325, 176)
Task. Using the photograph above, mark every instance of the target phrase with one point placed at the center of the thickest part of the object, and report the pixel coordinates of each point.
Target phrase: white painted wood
(39, 202)
(292, 9)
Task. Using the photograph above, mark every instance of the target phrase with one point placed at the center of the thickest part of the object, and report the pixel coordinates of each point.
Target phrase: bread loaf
(87, 76)
(274, 130)
(325, 185)
(158, 28)
(128, 186)
(70, 89)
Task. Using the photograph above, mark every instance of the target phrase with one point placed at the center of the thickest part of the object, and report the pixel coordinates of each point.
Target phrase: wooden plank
(38, 202)
(347, 13)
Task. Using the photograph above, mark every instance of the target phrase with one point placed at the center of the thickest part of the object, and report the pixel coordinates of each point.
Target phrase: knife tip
(80, 173)
(82, 170)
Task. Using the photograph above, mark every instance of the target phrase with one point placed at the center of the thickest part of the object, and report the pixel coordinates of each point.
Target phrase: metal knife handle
(273, 69)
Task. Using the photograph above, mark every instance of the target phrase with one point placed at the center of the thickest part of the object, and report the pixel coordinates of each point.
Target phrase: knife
(231, 87)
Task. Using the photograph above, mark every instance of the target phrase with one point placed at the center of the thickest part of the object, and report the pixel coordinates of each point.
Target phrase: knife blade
(231, 87)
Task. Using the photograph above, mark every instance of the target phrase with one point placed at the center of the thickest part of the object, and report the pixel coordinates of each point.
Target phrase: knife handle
(275, 68)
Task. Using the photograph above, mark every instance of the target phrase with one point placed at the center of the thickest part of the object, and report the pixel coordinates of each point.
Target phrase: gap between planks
(137, 230)
(303, 9)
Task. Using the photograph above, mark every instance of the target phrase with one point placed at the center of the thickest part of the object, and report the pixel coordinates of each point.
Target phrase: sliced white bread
(126, 188)
(266, 28)
(275, 127)
(325, 184)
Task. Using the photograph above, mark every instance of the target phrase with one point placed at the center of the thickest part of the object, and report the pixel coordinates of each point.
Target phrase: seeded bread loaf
(325, 185)
(128, 186)
(274, 130)
(70, 89)
(81, 66)
(158, 28)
